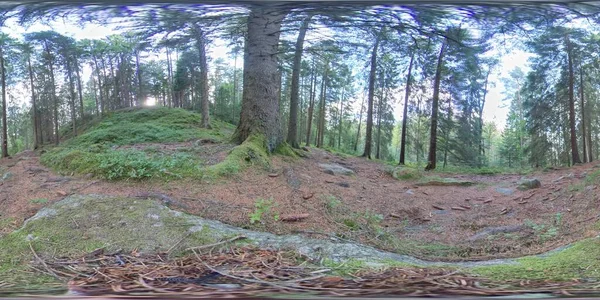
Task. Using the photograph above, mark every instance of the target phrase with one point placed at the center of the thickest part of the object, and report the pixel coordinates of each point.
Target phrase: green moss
(578, 261)
(252, 152)
(81, 224)
(286, 150)
(93, 152)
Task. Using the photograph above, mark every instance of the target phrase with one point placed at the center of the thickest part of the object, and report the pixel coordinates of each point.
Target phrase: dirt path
(509, 222)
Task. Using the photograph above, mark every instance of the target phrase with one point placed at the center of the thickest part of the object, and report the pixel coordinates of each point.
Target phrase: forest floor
(421, 216)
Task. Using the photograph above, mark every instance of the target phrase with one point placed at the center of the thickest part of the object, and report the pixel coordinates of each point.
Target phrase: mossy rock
(404, 173)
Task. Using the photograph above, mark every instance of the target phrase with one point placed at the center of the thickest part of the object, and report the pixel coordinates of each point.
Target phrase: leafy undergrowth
(97, 151)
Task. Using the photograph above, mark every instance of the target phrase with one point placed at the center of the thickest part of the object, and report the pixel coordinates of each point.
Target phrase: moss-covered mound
(102, 150)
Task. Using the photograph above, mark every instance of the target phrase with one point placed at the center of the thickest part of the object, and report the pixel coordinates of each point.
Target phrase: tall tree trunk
(72, 98)
(583, 133)
(369, 133)
(4, 126)
(574, 149)
(77, 73)
(260, 107)
(379, 104)
(54, 97)
(405, 111)
(362, 106)
(99, 107)
(480, 125)
(292, 136)
(138, 75)
(589, 139)
(431, 159)
(171, 94)
(341, 117)
(234, 101)
(311, 104)
(200, 36)
(322, 105)
(36, 135)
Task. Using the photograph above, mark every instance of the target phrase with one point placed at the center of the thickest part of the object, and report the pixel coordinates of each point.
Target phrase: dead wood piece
(307, 196)
(293, 218)
(458, 208)
(233, 239)
(465, 206)
(437, 207)
(488, 201)
(523, 202)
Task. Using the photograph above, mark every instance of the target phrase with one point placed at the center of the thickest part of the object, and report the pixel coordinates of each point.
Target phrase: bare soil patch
(488, 219)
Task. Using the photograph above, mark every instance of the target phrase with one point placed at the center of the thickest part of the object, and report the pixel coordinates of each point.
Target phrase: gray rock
(409, 192)
(528, 184)
(505, 191)
(6, 176)
(445, 182)
(137, 231)
(336, 169)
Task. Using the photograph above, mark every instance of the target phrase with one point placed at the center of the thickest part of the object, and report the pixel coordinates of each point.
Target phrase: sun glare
(150, 101)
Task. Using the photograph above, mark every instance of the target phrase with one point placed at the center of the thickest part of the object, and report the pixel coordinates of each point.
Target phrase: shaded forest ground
(423, 215)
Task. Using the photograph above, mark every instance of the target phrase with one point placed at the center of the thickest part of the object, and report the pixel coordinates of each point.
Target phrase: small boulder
(529, 184)
(6, 176)
(336, 169)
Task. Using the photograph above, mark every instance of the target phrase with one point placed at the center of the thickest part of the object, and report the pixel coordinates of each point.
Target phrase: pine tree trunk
(77, 67)
(201, 45)
(4, 126)
(405, 111)
(431, 159)
(72, 98)
(377, 155)
(371, 96)
(34, 114)
(311, 105)
(292, 136)
(321, 123)
(260, 107)
(574, 149)
(583, 133)
(362, 106)
(54, 97)
(341, 119)
(138, 75)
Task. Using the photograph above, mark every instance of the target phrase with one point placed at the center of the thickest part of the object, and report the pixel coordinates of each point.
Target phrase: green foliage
(286, 150)
(38, 201)
(262, 208)
(95, 151)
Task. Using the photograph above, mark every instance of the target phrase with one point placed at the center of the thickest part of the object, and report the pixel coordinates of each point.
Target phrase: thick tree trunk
(480, 161)
(260, 107)
(369, 133)
(4, 126)
(379, 104)
(201, 45)
(405, 111)
(292, 136)
(341, 117)
(583, 133)
(138, 75)
(574, 149)
(234, 100)
(431, 160)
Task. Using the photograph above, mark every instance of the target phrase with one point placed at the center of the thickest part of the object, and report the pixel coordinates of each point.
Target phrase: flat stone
(495, 230)
(6, 176)
(445, 182)
(336, 169)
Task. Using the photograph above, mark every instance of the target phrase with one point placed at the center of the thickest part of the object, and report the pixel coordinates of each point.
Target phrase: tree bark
(583, 133)
(369, 134)
(574, 149)
(292, 136)
(72, 98)
(431, 160)
(362, 105)
(260, 107)
(405, 111)
(201, 45)
(36, 140)
(54, 97)
(4, 127)
(78, 74)
(311, 104)
(321, 124)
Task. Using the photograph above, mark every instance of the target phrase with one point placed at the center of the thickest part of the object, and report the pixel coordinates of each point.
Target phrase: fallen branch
(43, 262)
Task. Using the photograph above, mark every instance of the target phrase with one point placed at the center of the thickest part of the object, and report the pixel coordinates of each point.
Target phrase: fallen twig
(233, 239)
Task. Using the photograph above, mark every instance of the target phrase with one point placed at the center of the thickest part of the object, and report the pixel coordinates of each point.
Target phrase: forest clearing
(299, 148)
(323, 195)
